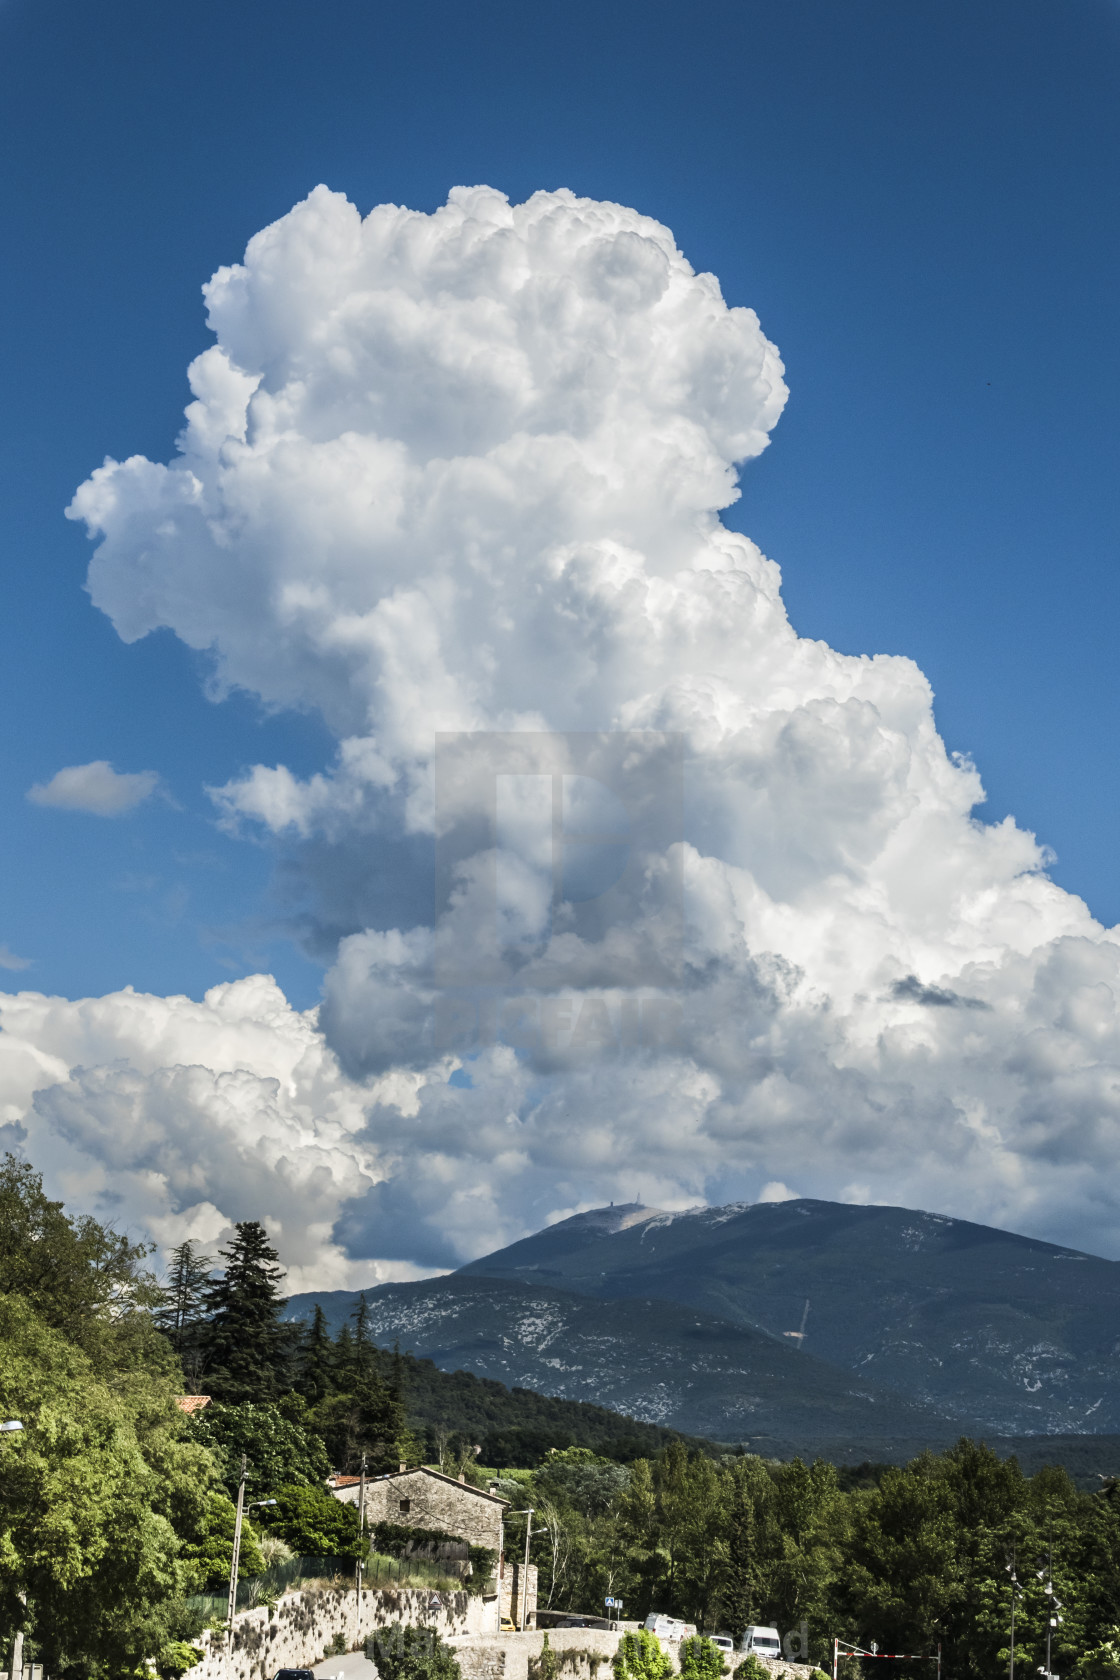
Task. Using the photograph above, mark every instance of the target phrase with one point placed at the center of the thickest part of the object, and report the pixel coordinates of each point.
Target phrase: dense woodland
(116, 1512)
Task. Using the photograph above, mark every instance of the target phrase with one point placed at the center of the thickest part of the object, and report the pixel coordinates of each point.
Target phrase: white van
(668, 1627)
(763, 1641)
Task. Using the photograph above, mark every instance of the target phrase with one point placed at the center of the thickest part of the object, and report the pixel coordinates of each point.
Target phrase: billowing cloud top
(463, 472)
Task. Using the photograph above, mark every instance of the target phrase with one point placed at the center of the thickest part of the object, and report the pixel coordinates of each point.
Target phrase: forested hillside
(116, 1517)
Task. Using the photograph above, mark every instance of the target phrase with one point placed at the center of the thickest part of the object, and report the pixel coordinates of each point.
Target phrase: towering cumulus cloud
(463, 473)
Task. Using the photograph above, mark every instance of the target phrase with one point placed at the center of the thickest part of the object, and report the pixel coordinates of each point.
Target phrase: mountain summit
(800, 1320)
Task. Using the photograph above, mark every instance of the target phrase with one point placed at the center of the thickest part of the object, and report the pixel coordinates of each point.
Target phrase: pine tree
(344, 1370)
(364, 1358)
(182, 1310)
(246, 1344)
(737, 1594)
(316, 1360)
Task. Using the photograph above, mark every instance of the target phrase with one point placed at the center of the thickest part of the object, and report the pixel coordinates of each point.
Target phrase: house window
(405, 1503)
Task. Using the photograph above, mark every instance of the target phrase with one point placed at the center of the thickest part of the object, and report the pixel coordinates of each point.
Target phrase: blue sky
(918, 199)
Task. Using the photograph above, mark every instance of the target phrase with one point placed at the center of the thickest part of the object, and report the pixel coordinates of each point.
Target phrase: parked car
(507, 1626)
(293, 1674)
(763, 1641)
(723, 1642)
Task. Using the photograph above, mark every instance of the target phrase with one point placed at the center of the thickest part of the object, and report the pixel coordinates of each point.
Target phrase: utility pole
(1014, 1596)
(13, 1426)
(361, 1534)
(236, 1547)
(525, 1571)
(1053, 1606)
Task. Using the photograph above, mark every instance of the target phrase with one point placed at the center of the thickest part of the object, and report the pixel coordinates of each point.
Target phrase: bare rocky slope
(1002, 1332)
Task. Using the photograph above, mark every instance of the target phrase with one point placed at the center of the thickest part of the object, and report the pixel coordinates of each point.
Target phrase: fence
(377, 1571)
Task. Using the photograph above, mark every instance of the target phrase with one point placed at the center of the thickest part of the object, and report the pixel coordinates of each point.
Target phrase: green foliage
(208, 1554)
(547, 1665)
(314, 1524)
(411, 1653)
(640, 1657)
(395, 1538)
(175, 1657)
(483, 1561)
(244, 1342)
(752, 1668)
(315, 1360)
(81, 1279)
(182, 1310)
(279, 1441)
(94, 1496)
(700, 1660)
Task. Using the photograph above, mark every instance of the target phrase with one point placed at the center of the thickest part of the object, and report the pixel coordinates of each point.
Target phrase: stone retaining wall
(583, 1654)
(296, 1632)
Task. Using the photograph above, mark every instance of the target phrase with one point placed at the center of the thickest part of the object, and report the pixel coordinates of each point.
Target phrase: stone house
(423, 1498)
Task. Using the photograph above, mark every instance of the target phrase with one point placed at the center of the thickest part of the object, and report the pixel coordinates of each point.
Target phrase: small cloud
(8, 959)
(776, 1191)
(96, 788)
(911, 990)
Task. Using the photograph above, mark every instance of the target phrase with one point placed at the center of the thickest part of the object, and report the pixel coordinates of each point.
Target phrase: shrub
(640, 1657)
(700, 1660)
(175, 1658)
(411, 1653)
(752, 1668)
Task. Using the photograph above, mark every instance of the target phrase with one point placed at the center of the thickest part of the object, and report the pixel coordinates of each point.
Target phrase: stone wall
(582, 1653)
(432, 1501)
(296, 1632)
(510, 1586)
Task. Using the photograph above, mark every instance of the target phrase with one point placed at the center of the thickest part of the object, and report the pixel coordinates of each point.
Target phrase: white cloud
(463, 472)
(96, 788)
(176, 1118)
(8, 959)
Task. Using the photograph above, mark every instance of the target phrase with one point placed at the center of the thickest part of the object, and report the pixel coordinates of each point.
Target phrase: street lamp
(11, 1427)
(237, 1541)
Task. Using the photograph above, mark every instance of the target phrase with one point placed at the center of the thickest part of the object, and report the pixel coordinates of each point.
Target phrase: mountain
(1001, 1332)
(517, 1426)
(916, 1326)
(656, 1361)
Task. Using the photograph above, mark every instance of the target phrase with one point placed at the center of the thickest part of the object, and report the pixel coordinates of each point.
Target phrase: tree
(81, 1278)
(739, 1585)
(208, 1555)
(279, 1442)
(640, 1657)
(245, 1342)
(315, 1360)
(315, 1524)
(95, 1495)
(181, 1314)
